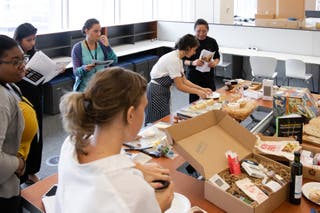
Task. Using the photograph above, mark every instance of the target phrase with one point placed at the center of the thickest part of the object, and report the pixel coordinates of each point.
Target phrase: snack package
(250, 189)
(279, 148)
(233, 162)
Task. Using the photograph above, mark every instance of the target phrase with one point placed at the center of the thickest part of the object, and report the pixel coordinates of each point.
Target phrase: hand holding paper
(42, 69)
(205, 56)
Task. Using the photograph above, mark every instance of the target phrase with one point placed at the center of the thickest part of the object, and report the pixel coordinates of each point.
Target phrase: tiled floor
(54, 134)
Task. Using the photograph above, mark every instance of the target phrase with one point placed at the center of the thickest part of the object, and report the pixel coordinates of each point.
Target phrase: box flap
(203, 141)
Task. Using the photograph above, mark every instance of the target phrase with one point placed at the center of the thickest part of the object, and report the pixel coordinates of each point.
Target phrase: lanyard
(16, 90)
(95, 50)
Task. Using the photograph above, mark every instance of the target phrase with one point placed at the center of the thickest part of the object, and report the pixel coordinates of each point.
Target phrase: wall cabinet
(61, 43)
(145, 31)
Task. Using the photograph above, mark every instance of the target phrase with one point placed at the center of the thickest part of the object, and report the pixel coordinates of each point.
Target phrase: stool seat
(297, 69)
(263, 67)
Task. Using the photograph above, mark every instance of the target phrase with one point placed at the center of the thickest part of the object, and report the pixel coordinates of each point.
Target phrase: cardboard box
(264, 16)
(290, 9)
(203, 141)
(282, 8)
(277, 23)
(266, 6)
(309, 171)
(289, 100)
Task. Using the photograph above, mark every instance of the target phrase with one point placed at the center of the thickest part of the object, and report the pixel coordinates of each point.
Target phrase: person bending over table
(168, 70)
(92, 174)
(94, 47)
(203, 79)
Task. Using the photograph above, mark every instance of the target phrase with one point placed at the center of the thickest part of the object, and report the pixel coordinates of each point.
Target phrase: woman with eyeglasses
(25, 35)
(12, 70)
(94, 47)
(203, 79)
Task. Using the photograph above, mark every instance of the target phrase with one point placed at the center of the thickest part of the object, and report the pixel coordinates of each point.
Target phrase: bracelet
(190, 63)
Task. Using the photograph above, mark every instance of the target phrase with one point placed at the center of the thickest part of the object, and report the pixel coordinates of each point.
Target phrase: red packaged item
(233, 163)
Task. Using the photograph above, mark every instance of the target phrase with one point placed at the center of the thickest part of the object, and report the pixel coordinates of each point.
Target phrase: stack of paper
(41, 69)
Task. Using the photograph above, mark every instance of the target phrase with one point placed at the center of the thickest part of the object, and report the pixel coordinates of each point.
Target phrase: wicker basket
(243, 112)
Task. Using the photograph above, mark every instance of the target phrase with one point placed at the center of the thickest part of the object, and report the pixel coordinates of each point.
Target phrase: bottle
(296, 180)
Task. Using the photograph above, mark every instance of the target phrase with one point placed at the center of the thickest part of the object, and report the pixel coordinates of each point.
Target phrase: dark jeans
(11, 205)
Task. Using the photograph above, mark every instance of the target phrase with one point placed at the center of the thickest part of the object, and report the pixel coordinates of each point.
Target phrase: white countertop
(277, 55)
(140, 46)
(127, 49)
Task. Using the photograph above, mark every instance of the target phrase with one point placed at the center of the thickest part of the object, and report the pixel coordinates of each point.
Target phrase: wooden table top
(192, 188)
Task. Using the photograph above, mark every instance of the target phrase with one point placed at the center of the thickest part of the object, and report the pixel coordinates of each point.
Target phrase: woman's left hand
(152, 172)
(104, 40)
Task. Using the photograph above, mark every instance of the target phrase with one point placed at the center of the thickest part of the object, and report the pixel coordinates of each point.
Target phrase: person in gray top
(12, 70)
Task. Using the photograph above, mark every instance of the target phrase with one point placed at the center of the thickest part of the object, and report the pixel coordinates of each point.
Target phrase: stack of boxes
(280, 13)
(289, 100)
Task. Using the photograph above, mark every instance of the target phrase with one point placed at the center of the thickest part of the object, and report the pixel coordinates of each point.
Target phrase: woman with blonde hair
(93, 175)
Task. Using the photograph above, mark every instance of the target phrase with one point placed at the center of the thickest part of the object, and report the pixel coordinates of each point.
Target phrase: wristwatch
(190, 63)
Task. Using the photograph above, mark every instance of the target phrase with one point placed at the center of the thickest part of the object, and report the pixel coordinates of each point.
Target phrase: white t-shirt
(168, 65)
(110, 184)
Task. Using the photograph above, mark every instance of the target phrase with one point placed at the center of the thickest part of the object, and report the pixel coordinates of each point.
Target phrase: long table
(192, 188)
(183, 183)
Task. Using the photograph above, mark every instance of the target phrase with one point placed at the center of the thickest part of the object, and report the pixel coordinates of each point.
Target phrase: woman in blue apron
(169, 70)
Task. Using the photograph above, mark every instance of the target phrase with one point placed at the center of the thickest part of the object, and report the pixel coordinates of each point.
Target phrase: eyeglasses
(17, 62)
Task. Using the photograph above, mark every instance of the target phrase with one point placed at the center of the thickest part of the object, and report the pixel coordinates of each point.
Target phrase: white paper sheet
(44, 65)
(206, 56)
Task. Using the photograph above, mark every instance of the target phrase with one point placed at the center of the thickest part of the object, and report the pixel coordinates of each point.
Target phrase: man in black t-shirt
(203, 79)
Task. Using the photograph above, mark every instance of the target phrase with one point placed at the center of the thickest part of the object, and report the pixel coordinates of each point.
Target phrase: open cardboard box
(203, 141)
(309, 171)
